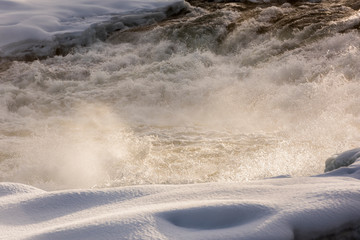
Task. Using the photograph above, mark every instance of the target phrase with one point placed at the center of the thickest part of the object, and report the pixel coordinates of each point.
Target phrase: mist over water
(211, 96)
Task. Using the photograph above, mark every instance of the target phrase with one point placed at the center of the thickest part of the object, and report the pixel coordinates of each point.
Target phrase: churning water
(219, 92)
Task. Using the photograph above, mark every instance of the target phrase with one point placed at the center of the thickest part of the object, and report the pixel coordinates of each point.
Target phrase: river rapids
(206, 91)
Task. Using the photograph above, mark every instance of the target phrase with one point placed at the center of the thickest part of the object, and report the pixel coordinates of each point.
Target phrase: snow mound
(43, 27)
(342, 160)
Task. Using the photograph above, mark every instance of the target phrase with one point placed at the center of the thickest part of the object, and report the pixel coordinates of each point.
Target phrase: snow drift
(321, 207)
(43, 28)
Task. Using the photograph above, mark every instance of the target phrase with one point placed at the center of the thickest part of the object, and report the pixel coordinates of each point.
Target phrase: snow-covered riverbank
(319, 207)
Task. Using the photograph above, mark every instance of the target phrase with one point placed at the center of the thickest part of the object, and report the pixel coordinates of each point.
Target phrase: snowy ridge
(322, 207)
(43, 28)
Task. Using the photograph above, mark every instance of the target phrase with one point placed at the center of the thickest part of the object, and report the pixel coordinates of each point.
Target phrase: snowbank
(342, 160)
(40, 26)
(280, 208)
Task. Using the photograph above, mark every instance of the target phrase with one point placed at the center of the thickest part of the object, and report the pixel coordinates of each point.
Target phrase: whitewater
(177, 119)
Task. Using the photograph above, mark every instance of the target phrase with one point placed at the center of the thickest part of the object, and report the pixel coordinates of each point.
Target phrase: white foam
(235, 116)
(192, 112)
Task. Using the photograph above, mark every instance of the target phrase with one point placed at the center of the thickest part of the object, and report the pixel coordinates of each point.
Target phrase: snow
(343, 159)
(322, 206)
(24, 23)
